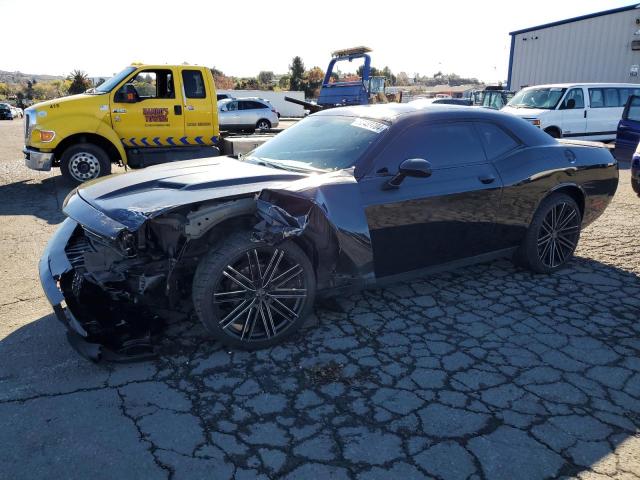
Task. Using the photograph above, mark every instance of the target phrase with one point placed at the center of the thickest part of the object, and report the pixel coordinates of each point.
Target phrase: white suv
(585, 111)
(246, 114)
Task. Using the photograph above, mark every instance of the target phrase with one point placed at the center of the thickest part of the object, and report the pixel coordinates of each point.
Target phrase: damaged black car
(346, 199)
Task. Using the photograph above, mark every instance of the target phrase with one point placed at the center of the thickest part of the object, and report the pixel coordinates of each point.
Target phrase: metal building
(600, 47)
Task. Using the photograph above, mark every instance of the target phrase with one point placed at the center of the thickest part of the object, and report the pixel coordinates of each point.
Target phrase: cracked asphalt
(487, 372)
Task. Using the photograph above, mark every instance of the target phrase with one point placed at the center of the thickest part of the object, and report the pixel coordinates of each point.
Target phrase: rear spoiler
(586, 143)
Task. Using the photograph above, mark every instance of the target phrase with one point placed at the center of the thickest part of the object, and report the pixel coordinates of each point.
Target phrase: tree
(296, 70)
(221, 81)
(79, 82)
(312, 82)
(284, 82)
(402, 79)
(29, 91)
(265, 78)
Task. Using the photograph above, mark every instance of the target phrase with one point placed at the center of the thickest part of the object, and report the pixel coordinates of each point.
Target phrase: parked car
(347, 198)
(588, 111)
(5, 112)
(628, 133)
(246, 114)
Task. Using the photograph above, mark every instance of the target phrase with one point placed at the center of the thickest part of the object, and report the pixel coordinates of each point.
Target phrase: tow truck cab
(144, 115)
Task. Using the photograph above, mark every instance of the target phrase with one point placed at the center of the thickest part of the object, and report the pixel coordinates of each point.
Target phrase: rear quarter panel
(531, 174)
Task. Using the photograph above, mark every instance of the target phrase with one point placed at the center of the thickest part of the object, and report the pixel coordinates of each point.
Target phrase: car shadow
(42, 199)
(487, 368)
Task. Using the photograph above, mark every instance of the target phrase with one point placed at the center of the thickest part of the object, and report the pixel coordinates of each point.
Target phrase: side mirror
(411, 167)
(127, 94)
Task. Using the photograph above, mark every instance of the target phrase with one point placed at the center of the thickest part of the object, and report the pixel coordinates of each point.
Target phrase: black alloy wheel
(552, 236)
(254, 295)
(558, 235)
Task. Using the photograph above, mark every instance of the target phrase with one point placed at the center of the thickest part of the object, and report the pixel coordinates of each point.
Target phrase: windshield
(546, 98)
(322, 142)
(113, 81)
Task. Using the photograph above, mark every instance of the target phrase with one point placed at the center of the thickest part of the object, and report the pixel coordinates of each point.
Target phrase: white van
(585, 111)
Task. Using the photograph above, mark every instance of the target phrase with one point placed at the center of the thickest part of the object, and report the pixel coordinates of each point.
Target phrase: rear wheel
(553, 234)
(263, 124)
(84, 161)
(635, 184)
(253, 295)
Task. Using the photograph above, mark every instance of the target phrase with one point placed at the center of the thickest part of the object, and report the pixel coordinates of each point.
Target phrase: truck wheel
(84, 161)
(263, 124)
(554, 132)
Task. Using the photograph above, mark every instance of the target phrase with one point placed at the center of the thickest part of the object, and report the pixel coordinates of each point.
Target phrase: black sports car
(346, 199)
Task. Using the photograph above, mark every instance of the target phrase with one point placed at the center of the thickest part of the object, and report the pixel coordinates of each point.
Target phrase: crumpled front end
(89, 283)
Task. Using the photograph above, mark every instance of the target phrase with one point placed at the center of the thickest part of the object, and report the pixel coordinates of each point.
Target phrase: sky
(243, 37)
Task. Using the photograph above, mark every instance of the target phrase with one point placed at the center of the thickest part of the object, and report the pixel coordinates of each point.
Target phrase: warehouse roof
(576, 19)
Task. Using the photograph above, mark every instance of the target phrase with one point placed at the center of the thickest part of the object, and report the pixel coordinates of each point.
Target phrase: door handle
(177, 109)
(487, 179)
(585, 114)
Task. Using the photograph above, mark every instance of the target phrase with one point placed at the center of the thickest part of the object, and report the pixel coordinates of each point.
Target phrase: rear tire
(635, 184)
(243, 295)
(263, 124)
(84, 161)
(552, 236)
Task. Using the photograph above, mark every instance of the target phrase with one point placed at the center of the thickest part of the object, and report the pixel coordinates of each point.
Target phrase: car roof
(408, 113)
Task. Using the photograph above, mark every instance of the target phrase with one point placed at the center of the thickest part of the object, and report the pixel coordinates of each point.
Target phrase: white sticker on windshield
(376, 127)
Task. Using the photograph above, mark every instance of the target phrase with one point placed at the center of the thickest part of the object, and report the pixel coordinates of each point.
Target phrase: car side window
(232, 106)
(633, 113)
(193, 82)
(496, 141)
(577, 96)
(443, 145)
(146, 85)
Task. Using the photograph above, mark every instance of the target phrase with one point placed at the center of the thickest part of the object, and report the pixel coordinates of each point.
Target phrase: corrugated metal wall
(596, 49)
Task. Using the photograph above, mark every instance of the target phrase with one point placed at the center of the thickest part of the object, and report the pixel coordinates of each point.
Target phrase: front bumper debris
(36, 160)
(52, 266)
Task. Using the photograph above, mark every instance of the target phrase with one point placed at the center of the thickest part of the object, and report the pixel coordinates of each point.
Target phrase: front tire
(552, 236)
(253, 295)
(84, 161)
(635, 185)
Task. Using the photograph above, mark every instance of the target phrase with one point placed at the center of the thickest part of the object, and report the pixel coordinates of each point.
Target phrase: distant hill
(19, 77)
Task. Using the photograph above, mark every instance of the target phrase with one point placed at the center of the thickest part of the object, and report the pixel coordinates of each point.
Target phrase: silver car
(246, 114)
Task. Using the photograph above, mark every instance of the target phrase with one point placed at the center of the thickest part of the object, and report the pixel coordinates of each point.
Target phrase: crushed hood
(132, 198)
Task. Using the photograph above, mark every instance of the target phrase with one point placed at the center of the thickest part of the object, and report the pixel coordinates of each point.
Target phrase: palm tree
(79, 82)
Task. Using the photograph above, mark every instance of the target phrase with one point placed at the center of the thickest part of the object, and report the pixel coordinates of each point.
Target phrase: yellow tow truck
(144, 115)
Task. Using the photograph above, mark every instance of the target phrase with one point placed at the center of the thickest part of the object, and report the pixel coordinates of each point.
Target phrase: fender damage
(114, 272)
(314, 211)
(112, 287)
